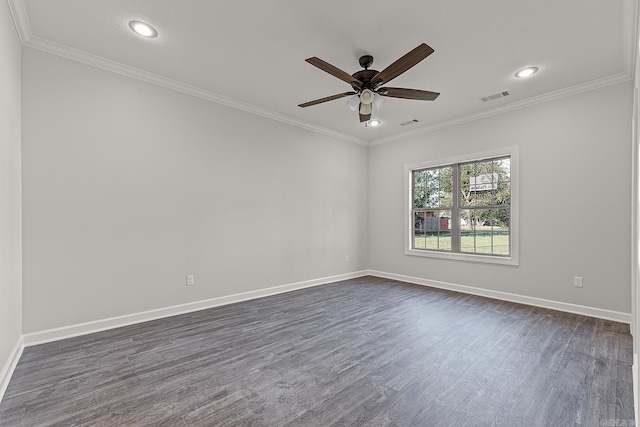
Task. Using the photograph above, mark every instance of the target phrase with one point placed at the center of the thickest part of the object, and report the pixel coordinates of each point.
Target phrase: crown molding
(630, 43)
(630, 35)
(145, 76)
(19, 15)
(550, 96)
(27, 38)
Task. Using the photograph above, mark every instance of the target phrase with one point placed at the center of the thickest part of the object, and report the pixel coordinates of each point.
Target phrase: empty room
(296, 213)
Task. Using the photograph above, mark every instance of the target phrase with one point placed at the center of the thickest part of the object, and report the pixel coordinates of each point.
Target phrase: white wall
(128, 187)
(575, 208)
(10, 199)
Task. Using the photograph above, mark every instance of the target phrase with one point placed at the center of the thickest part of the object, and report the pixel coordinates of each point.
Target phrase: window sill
(487, 259)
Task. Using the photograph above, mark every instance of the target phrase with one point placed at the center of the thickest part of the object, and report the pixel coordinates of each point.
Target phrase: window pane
(485, 231)
(433, 188)
(505, 166)
(431, 240)
(419, 230)
(486, 197)
(466, 172)
(446, 187)
(419, 189)
(501, 184)
(501, 232)
(432, 230)
(444, 231)
(485, 183)
(467, 231)
(481, 184)
(466, 220)
(503, 192)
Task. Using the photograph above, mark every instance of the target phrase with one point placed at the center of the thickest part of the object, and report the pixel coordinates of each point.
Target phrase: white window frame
(513, 259)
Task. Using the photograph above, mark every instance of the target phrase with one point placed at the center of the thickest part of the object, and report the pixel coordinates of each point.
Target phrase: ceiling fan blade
(398, 92)
(402, 65)
(328, 98)
(365, 117)
(334, 71)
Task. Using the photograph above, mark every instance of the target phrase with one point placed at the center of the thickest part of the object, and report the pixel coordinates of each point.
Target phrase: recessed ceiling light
(373, 123)
(143, 29)
(526, 72)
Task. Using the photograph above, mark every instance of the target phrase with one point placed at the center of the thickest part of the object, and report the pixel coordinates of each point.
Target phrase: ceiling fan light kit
(378, 100)
(365, 108)
(367, 83)
(366, 97)
(354, 102)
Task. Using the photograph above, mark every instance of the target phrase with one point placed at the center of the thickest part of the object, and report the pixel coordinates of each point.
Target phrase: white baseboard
(70, 331)
(600, 313)
(10, 366)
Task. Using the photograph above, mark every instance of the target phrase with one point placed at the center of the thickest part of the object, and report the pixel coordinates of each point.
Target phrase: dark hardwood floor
(369, 351)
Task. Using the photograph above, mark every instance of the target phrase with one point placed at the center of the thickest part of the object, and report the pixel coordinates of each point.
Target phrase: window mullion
(413, 210)
(455, 209)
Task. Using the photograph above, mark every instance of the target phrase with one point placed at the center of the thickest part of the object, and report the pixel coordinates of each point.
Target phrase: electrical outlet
(577, 282)
(191, 280)
(346, 258)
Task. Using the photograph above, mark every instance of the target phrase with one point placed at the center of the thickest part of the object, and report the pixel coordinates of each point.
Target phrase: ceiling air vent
(409, 122)
(495, 96)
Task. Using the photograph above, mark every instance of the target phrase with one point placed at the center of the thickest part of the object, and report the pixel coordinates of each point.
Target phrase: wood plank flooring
(362, 352)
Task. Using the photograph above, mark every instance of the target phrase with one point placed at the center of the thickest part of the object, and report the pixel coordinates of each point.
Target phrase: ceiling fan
(366, 83)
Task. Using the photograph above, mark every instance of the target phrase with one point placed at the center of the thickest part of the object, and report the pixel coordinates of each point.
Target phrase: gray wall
(10, 199)
(575, 208)
(128, 187)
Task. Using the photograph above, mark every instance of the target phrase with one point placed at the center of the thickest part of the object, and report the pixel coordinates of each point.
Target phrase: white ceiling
(250, 54)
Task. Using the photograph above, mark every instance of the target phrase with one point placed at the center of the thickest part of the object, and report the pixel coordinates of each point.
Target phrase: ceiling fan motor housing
(365, 77)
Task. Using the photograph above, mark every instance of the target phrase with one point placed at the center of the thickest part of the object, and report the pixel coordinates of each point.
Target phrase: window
(464, 208)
